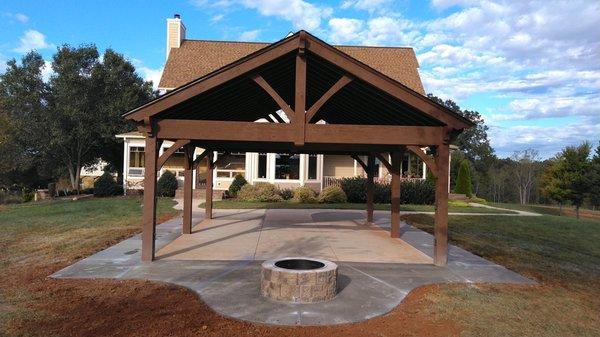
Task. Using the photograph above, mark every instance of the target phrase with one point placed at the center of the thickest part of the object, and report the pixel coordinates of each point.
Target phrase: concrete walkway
(231, 287)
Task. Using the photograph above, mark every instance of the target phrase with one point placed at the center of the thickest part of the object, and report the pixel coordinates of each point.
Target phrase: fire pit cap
(299, 264)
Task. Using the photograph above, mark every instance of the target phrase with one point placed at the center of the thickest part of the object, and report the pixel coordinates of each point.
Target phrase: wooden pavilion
(334, 105)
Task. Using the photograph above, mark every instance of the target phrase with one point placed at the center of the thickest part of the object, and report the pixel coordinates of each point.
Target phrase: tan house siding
(338, 166)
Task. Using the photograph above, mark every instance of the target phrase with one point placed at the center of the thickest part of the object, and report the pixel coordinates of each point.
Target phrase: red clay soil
(141, 308)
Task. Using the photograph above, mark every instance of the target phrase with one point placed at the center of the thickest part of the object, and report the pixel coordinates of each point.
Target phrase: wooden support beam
(208, 205)
(199, 159)
(370, 187)
(287, 133)
(168, 152)
(300, 93)
(440, 255)
(345, 79)
(395, 190)
(429, 161)
(385, 162)
(149, 210)
(360, 162)
(280, 101)
(188, 177)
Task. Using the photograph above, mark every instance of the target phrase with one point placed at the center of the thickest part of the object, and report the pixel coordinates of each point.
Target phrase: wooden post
(440, 255)
(300, 94)
(149, 210)
(395, 217)
(188, 195)
(210, 165)
(370, 186)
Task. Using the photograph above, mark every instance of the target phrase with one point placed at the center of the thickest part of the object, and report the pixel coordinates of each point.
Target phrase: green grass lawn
(548, 210)
(45, 236)
(560, 252)
(457, 207)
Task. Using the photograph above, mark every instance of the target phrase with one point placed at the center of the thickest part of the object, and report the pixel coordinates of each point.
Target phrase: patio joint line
(262, 224)
(378, 280)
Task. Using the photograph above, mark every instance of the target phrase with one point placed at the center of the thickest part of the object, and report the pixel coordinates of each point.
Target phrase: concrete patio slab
(231, 287)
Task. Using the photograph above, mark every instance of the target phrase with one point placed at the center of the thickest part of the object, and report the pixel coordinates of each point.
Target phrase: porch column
(395, 218)
(149, 210)
(210, 165)
(370, 186)
(440, 255)
(188, 197)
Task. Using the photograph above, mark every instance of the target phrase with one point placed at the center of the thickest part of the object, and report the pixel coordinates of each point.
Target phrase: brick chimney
(175, 32)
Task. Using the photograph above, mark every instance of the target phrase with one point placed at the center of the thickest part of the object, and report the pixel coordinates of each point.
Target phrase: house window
(262, 165)
(176, 160)
(287, 166)
(312, 166)
(405, 168)
(376, 169)
(231, 164)
(136, 156)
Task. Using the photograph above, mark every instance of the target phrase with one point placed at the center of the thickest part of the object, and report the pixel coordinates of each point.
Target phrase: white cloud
(249, 35)
(367, 5)
(343, 30)
(217, 18)
(33, 40)
(20, 17)
(47, 71)
(302, 14)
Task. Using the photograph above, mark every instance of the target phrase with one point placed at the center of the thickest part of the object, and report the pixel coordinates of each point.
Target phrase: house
(189, 59)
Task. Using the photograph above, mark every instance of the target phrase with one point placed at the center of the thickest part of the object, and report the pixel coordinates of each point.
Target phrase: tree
(122, 90)
(566, 178)
(463, 181)
(23, 102)
(525, 173)
(593, 179)
(71, 121)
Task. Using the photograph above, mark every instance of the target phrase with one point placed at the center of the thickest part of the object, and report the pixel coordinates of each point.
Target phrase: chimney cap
(177, 16)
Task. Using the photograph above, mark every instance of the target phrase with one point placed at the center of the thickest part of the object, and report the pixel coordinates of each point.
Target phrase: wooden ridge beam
(165, 156)
(342, 82)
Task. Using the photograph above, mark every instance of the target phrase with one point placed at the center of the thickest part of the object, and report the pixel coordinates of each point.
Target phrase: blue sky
(530, 67)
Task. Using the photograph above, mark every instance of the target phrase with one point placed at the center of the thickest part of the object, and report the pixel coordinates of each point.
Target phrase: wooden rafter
(168, 152)
(199, 159)
(429, 161)
(310, 114)
(280, 101)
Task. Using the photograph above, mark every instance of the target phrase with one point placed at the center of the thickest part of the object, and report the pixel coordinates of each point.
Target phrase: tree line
(50, 129)
(571, 177)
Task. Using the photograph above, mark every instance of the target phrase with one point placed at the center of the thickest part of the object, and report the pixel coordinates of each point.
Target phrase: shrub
(411, 192)
(304, 194)
(236, 185)
(463, 180)
(355, 189)
(332, 195)
(52, 190)
(167, 185)
(259, 192)
(106, 186)
(286, 193)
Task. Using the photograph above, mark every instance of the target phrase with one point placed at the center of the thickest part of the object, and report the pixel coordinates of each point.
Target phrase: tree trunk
(577, 211)
(71, 176)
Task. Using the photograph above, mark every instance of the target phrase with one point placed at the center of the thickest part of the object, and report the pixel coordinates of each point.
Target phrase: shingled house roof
(196, 58)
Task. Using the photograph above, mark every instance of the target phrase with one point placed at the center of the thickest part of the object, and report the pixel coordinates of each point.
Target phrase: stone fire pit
(299, 280)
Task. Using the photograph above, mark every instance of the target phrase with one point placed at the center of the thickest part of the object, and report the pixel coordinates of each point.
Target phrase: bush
(304, 195)
(236, 185)
(463, 180)
(167, 185)
(52, 190)
(420, 192)
(259, 192)
(332, 195)
(355, 189)
(286, 193)
(106, 186)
